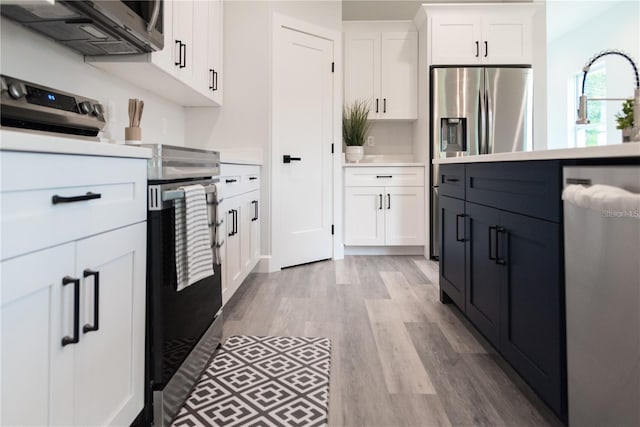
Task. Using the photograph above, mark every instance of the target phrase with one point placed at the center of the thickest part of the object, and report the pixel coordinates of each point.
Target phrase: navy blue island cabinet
(501, 265)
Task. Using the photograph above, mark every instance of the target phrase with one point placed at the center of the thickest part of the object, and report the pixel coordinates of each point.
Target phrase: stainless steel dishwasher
(602, 258)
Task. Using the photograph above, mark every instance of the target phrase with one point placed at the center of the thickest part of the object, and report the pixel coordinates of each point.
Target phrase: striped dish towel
(194, 258)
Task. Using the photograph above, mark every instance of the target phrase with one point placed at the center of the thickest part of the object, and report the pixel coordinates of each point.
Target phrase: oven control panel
(32, 106)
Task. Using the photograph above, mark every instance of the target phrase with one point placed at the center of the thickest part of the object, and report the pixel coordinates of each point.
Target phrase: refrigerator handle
(481, 124)
(488, 135)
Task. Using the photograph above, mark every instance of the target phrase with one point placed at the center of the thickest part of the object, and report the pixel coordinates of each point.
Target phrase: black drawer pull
(76, 310)
(96, 300)
(388, 201)
(499, 261)
(493, 227)
(458, 239)
(231, 212)
(253, 178)
(477, 49)
(211, 86)
(179, 61)
(384, 176)
(255, 210)
(451, 180)
(377, 104)
(61, 199)
(229, 181)
(384, 105)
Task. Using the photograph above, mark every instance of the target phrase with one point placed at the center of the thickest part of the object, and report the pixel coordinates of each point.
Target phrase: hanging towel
(194, 258)
(603, 198)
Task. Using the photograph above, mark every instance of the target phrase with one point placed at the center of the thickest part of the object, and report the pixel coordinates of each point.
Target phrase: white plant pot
(355, 153)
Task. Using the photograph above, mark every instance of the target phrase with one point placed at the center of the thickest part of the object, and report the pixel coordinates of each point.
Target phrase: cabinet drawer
(529, 188)
(397, 176)
(30, 218)
(451, 181)
(239, 179)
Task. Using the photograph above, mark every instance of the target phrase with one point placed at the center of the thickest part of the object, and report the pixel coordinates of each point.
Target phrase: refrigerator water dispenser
(453, 134)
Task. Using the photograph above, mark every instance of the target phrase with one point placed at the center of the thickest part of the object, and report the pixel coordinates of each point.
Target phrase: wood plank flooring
(399, 356)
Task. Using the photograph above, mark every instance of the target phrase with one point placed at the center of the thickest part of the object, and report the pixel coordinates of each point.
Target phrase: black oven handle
(155, 13)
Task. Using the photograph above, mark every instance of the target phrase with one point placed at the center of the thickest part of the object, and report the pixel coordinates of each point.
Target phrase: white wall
(244, 121)
(615, 27)
(28, 55)
(391, 138)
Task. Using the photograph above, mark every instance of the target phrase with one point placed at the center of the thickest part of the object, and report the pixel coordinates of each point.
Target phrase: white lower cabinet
(242, 225)
(73, 313)
(390, 215)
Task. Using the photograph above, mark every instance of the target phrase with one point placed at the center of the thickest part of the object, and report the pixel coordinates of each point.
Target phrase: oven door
(176, 319)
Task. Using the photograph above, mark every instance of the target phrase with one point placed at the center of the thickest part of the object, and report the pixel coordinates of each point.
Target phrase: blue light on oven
(51, 97)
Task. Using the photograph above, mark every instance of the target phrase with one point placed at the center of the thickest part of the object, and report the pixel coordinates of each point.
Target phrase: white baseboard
(264, 265)
(384, 250)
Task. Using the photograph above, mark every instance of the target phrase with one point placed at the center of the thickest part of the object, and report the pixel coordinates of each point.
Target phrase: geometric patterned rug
(262, 381)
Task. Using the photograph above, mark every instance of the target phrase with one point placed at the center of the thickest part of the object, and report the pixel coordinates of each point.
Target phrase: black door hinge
(332, 229)
(333, 67)
(332, 148)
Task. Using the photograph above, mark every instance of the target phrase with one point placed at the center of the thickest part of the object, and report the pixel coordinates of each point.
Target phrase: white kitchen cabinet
(389, 215)
(241, 193)
(96, 375)
(188, 68)
(381, 68)
(481, 34)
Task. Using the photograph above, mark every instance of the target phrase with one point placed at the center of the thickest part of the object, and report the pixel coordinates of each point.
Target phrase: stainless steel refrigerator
(477, 110)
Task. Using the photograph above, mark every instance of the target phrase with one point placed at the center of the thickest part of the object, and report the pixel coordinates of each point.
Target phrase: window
(594, 133)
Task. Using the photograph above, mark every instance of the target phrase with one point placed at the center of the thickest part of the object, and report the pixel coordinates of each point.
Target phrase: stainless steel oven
(183, 327)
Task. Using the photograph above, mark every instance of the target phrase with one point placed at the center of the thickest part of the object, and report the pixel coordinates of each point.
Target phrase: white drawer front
(239, 179)
(397, 176)
(31, 221)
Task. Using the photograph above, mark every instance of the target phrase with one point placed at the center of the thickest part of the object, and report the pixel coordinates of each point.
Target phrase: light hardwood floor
(399, 356)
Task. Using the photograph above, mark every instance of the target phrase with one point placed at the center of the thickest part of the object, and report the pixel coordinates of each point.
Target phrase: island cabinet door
(484, 274)
(364, 216)
(452, 249)
(531, 311)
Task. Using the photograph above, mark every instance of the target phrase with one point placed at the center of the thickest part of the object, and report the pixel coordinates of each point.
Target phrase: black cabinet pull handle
(61, 199)
(384, 176)
(486, 48)
(255, 210)
(377, 109)
(384, 105)
(253, 178)
(477, 49)
(232, 223)
(491, 258)
(499, 261)
(380, 205)
(184, 57)
(215, 80)
(230, 180)
(235, 221)
(458, 239)
(96, 300)
(288, 159)
(451, 180)
(179, 61)
(211, 86)
(76, 310)
(388, 201)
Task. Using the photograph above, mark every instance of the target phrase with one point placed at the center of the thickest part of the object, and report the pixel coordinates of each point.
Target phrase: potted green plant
(625, 120)
(355, 127)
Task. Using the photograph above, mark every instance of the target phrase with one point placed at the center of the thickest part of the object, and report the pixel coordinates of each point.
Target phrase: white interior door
(303, 129)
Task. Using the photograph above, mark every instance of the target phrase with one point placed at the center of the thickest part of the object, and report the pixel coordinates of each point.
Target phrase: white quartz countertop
(379, 164)
(631, 149)
(41, 142)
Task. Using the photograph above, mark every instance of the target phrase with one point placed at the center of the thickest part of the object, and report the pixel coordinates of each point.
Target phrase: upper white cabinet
(381, 65)
(188, 69)
(483, 34)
